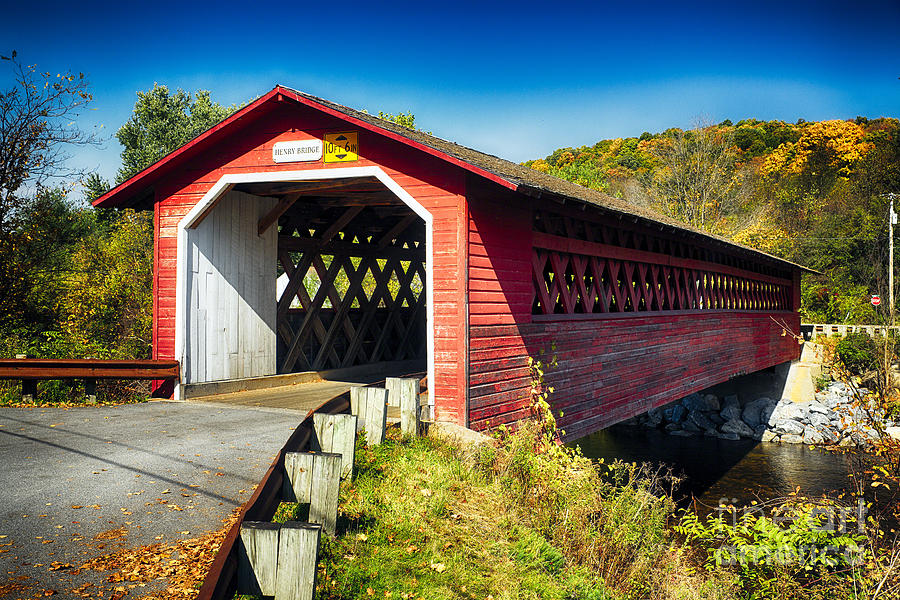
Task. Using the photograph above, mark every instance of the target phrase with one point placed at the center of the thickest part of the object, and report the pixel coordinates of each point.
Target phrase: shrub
(858, 352)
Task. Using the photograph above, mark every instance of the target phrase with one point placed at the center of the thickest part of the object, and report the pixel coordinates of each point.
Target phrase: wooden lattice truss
(580, 267)
(355, 260)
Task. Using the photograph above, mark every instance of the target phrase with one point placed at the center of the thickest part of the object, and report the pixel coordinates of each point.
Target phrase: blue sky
(515, 79)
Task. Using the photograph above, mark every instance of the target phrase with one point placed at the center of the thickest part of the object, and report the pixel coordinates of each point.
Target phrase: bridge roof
(137, 192)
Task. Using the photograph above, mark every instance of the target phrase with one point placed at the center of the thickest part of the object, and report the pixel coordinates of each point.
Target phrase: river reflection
(739, 471)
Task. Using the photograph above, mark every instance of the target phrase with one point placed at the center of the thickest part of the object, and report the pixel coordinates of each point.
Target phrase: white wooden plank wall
(231, 332)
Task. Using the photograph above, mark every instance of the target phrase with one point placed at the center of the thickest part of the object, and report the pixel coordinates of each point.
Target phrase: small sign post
(876, 300)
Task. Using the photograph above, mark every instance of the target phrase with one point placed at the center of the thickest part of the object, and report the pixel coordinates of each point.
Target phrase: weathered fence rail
(257, 556)
(811, 331)
(30, 370)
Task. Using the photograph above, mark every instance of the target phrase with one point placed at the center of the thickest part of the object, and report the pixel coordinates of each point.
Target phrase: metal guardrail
(86, 368)
(810, 331)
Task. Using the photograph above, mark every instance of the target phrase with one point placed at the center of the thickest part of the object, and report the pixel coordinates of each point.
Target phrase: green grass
(428, 519)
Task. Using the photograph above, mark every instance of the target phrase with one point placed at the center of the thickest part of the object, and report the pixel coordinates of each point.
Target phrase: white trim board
(226, 182)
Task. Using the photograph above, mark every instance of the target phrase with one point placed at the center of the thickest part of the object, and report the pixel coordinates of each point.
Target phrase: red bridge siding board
(609, 368)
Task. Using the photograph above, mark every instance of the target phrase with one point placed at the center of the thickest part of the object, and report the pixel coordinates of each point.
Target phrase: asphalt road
(81, 482)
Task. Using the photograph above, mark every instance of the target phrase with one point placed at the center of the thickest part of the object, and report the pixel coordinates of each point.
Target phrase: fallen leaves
(182, 563)
(111, 534)
(59, 566)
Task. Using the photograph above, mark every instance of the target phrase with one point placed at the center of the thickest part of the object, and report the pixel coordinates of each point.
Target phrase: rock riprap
(831, 418)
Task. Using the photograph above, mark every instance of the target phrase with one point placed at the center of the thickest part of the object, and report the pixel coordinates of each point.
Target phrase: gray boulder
(818, 420)
(654, 417)
(729, 436)
(715, 418)
(812, 436)
(738, 427)
(689, 426)
(693, 401)
(768, 436)
(674, 413)
(758, 411)
(791, 438)
(731, 408)
(731, 412)
(672, 427)
(817, 407)
(787, 427)
(712, 402)
(787, 410)
(700, 420)
(830, 435)
(701, 403)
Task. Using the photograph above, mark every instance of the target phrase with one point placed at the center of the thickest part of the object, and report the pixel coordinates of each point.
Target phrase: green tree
(163, 122)
(38, 128)
(108, 305)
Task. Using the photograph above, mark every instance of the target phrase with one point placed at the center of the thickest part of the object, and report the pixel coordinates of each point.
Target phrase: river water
(737, 472)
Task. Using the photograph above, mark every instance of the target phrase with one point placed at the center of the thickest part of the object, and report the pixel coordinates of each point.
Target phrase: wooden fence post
(357, 398)
(257, 558)
(323, 494)
(298, 553)
(298, 470)
(376, 415)
(336, 433)
(392, 385)
(406, 391)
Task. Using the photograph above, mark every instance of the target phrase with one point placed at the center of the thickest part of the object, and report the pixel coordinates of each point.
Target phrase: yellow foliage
(540, 165)
(842, 142)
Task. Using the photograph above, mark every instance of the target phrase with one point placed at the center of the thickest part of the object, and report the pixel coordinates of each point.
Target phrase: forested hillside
(811, 192)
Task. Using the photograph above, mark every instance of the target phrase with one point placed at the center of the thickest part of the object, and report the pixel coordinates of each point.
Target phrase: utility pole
(892, 220)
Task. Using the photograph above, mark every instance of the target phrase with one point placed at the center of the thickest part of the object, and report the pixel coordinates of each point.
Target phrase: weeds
(518, 518)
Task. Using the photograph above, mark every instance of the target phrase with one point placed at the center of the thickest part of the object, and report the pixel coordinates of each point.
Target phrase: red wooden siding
(659, 346)
(439, 187)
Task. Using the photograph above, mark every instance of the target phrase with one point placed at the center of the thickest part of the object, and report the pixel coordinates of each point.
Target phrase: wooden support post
(357, 398)
(407, 392)
(298, 469)
(90, 389)
(376, 415)
(29, 390)
(336, 433)
(323, 494)
(370, 405)
(298, 553)
(392, 384)
(257, 558)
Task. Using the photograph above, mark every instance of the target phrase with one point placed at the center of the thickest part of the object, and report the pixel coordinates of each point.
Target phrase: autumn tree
(696, 182)
(38, 130)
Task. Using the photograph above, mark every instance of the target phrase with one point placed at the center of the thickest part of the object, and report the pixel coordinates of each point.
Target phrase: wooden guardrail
(247, 560)
(30, 370)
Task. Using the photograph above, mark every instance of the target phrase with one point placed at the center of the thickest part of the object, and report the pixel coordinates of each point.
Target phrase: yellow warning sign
(341, 147)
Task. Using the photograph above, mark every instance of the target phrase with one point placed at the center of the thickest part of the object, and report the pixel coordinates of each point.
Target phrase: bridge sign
(876, 299)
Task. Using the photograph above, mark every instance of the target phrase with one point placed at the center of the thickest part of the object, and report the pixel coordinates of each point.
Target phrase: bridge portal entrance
(298, 275)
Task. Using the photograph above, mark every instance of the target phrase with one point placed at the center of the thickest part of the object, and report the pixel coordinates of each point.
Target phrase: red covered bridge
(398, 248)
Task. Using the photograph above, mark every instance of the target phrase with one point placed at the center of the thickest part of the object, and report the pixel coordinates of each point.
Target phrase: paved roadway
(128, 470)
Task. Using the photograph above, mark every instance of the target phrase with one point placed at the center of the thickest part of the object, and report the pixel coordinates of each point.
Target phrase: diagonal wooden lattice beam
(271, 217)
